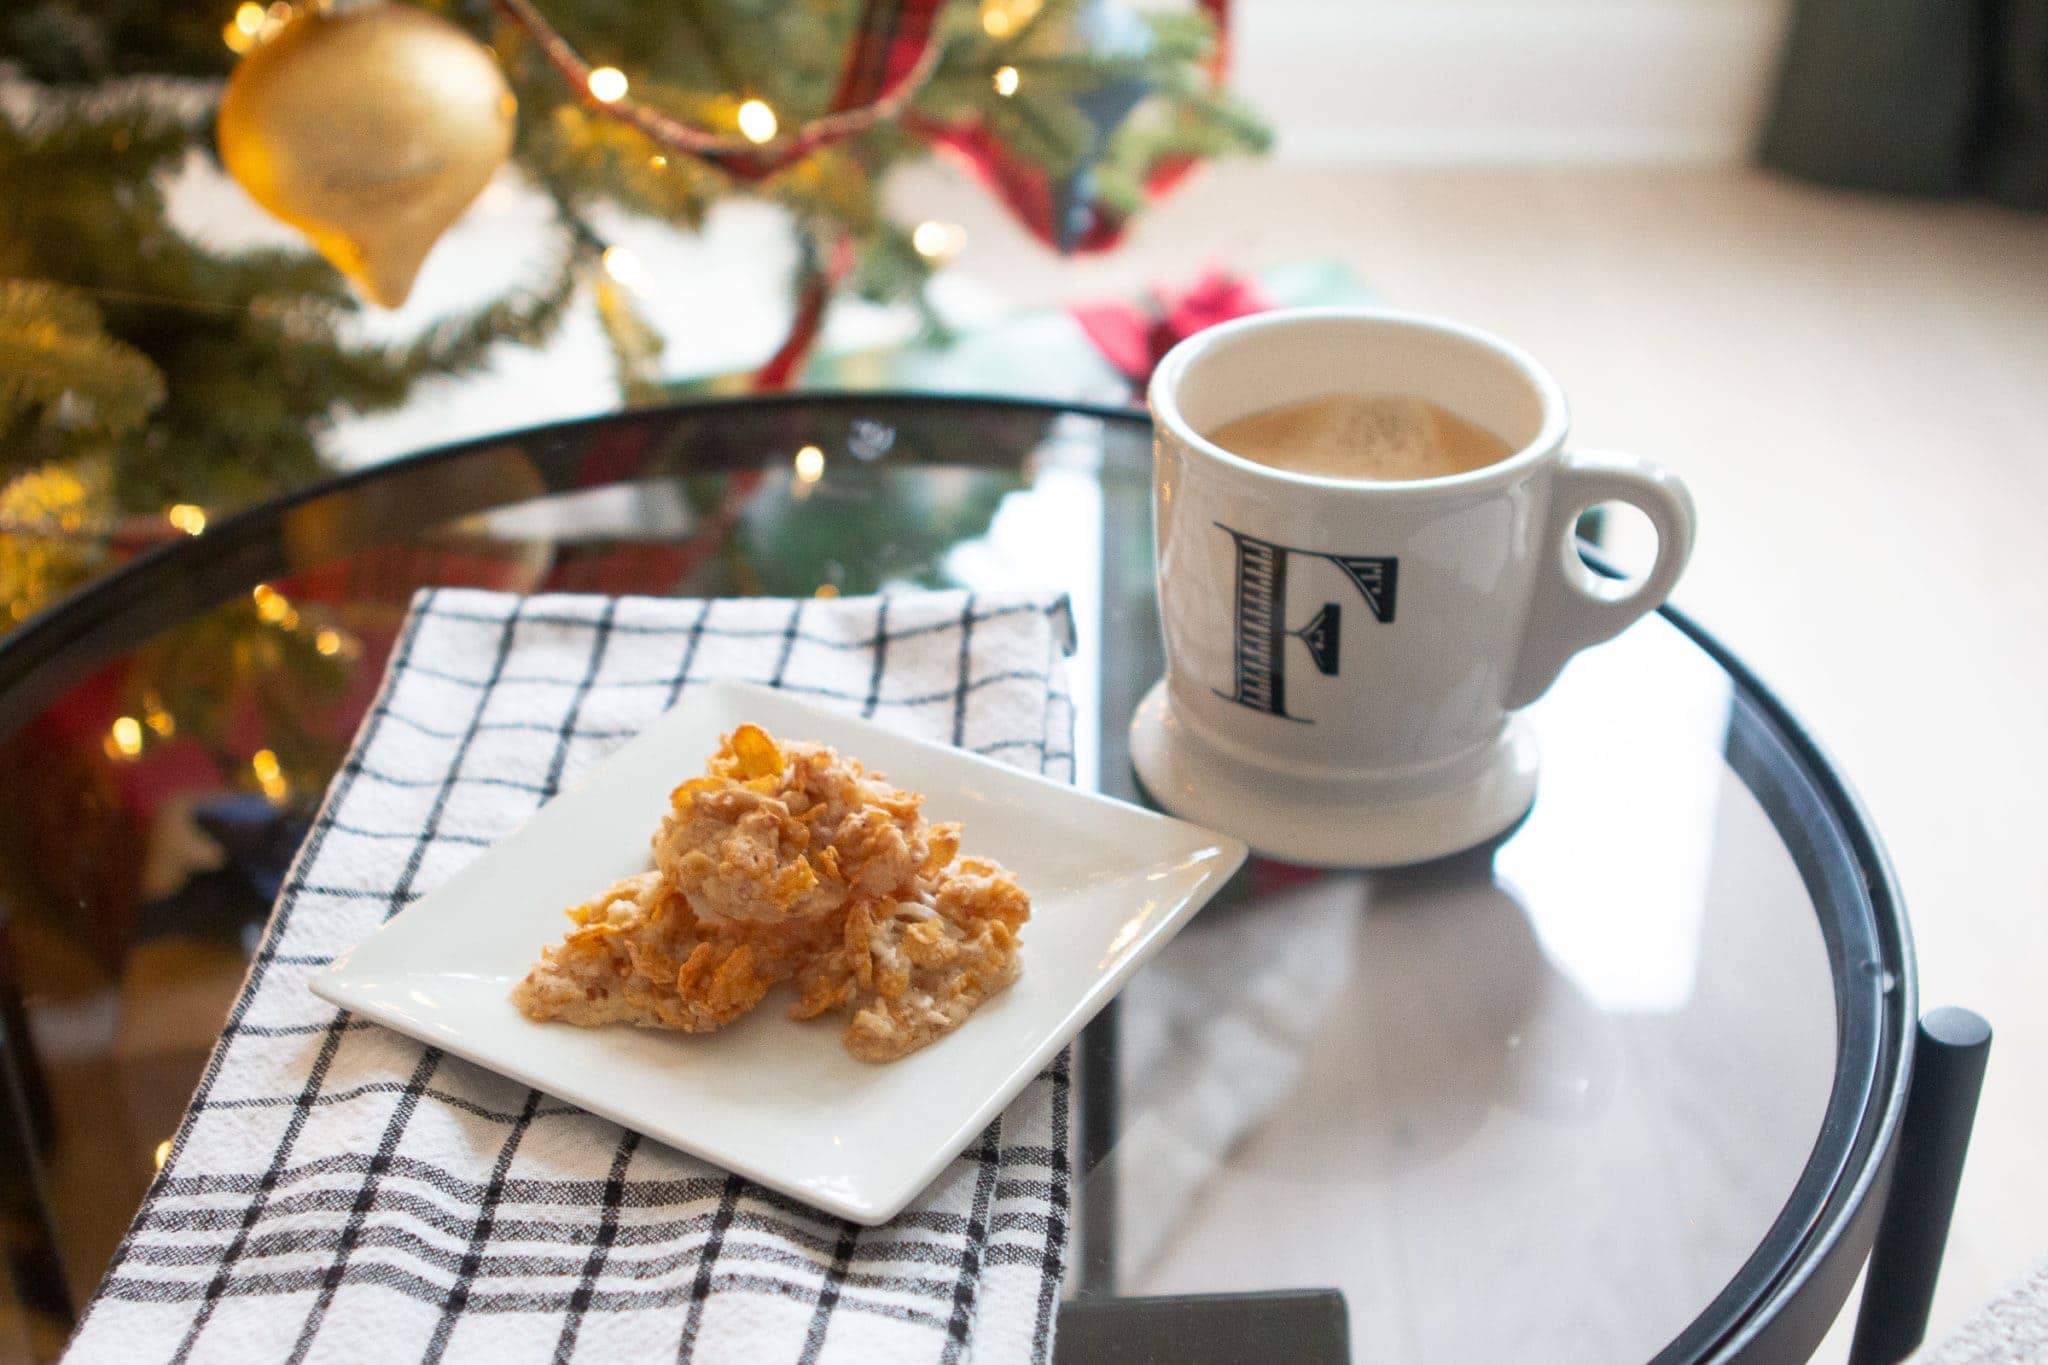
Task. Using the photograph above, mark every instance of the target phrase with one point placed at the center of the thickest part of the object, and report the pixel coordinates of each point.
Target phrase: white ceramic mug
(1344, 656)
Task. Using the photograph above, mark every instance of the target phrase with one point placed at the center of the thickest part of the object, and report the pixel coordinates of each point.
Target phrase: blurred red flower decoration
(1135, 337)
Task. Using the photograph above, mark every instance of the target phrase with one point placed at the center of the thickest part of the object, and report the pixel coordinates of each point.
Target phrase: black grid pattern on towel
(337, 1190)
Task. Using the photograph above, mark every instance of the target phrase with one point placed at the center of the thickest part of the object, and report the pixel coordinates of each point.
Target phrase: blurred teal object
(1043, 353)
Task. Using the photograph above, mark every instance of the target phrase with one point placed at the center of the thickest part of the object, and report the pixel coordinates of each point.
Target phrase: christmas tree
(128, 350)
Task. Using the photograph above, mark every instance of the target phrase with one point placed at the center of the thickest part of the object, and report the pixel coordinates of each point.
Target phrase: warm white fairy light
(124, 737)
(186, 517)
(607, 84)
(253, 24)
(623, 266)
(937, 241)
(1002, 18)
(270, 775)
(163, 1153)
(272, 606)
(810, 464)
(1006, 81)
(758, 121)
(328, 642)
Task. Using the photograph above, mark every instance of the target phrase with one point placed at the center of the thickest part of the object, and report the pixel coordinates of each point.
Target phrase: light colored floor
(1857, 391)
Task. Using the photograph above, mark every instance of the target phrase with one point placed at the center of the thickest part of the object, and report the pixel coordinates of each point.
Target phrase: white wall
(1509, 80)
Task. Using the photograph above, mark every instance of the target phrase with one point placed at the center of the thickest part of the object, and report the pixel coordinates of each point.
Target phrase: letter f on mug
(1262, 635)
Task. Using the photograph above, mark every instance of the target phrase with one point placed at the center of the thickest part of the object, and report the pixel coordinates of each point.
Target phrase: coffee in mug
(1362, 436)
(1359, 594)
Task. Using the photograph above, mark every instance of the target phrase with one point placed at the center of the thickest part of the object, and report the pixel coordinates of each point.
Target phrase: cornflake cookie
(786, 862)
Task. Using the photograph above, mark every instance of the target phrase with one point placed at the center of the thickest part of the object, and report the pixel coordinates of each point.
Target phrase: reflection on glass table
(1502, 1083)
(1623, 1084)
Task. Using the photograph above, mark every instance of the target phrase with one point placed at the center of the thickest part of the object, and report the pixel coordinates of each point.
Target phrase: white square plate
(778, 1101)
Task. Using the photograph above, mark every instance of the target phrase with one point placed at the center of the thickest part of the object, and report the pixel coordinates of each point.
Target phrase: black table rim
(1785, 1295)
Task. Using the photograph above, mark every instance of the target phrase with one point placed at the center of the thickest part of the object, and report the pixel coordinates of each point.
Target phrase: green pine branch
(57, 361)
(79, 42)
(249, 349)
(635, 344)
(249, 345)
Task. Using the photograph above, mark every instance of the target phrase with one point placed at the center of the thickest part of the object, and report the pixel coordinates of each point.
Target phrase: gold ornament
(370, 130)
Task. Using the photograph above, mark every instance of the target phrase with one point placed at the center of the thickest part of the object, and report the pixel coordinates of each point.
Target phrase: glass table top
(1579, 1096)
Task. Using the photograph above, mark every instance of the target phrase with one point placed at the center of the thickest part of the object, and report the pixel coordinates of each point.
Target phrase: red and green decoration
(152, 380)
(148, 374)
(1074, 114)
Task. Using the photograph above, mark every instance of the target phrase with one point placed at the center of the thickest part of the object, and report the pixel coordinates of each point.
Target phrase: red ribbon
(893, 53)
(818, 283)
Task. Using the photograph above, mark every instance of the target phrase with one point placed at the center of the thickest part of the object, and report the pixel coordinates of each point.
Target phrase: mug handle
(1573, 607)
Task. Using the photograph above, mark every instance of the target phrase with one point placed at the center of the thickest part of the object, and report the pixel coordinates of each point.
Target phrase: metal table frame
(1779, 1305)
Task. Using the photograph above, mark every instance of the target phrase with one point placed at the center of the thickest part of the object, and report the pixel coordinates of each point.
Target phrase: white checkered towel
(338, 1192)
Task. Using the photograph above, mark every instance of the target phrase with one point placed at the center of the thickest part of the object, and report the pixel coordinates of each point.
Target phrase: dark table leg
(28, 1230)
(1096, 1059)
(1941, 1107)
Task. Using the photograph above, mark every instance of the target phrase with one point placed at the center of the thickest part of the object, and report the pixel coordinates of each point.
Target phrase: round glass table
(1623, 1085)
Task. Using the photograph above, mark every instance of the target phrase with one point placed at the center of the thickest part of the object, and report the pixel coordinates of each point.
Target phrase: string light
(1002, 18)
(828, 591)
(337, 644)
(160, 721)
(607, 85)
(273, 606)
(938, 241)
(163, 1153)
(253, 24)
(810, 464)
(187, 518)
(270, 775)
(758, 121)
(124, 737)
(622, 265)
(658, 161)
(1006, 81)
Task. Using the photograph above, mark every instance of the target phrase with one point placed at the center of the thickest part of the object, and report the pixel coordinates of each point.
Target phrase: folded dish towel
(338, 1192)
